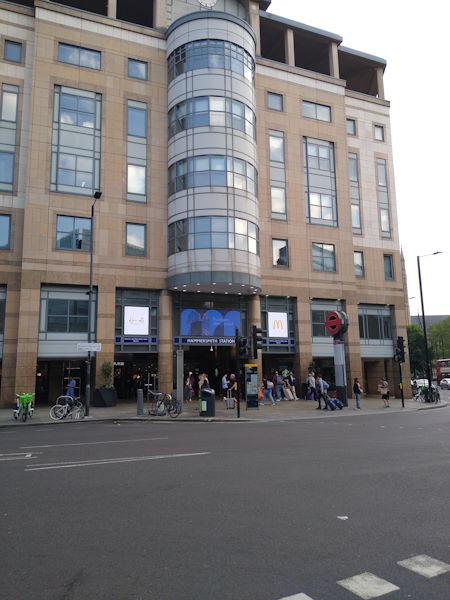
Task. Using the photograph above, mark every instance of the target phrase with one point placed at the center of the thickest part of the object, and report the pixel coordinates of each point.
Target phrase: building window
(383, 196)
(136, 244)
(278, 201)
(136, 151)
(280, 255)
(213, 232)
(75, 166)
(5, 231)
(379, 133)
(320, 191)
(73, 233)
(6, 170)
(211, 54)
(137, 69)
(274, 101)
(351, 126)
(13, 51)
(276, 146)
(9, 101)
(358, 259)
(211, 111)
(8, 126)
(355, 198)
(324, 258)
(80, 57)
(388, 267)
(375, 323)
(212, 171)
(67, 316)
(311, 110)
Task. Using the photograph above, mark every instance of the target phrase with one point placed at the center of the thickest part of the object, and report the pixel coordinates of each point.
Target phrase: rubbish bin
(207, 403)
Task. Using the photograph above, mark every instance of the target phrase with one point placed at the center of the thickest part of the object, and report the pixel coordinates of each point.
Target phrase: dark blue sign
(204, 341)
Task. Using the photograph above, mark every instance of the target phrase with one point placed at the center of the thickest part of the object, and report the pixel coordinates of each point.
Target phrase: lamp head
(97, 195)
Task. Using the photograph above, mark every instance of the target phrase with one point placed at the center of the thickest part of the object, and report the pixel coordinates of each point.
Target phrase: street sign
(89, 347)
(336, 322)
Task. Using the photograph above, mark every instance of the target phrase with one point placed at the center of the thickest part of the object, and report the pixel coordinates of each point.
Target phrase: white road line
(297, 597)
(425, 565)
(107, 461)
(16, 456)
(367, 586)
(95, 443)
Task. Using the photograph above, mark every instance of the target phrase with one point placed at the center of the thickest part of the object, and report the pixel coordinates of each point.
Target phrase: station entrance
(215, 361)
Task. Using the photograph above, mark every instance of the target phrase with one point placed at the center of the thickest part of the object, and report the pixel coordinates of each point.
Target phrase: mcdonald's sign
(277, 325)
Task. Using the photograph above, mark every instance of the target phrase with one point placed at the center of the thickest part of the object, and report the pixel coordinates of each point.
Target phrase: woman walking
(383, 388)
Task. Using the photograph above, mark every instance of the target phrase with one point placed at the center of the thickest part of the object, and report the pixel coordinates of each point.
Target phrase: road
(228, 511)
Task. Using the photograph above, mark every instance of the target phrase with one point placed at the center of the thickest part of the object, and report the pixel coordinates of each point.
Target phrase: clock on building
(207, 3)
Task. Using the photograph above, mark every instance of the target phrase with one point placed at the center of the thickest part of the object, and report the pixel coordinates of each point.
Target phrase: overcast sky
(413, 38)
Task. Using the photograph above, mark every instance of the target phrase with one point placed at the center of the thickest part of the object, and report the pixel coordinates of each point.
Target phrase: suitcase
(229, 400)
(288, 394)
(339, 403)
(331, 403)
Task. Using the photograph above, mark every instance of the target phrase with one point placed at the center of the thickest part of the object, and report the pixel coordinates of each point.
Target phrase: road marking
(425, 565)
(297, 597)
(343, 518)
(367, 586)
(95, 443)
(107, 461)
(16, 456)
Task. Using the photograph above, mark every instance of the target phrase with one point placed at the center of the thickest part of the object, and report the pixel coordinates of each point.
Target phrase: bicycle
(66, 406)
(24, 406)
(163, 404)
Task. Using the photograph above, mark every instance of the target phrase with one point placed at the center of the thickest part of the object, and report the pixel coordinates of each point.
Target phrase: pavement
(282, 411)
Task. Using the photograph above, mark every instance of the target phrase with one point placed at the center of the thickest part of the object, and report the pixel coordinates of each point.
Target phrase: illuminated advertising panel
(135, 320)
(277, 325)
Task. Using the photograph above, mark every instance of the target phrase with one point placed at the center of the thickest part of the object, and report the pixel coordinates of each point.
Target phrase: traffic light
(400, 350)
(242, 348)
(257, 340)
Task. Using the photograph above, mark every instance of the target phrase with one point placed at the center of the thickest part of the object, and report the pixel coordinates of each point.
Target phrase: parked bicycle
(24, 406)
(163, 404)
(66, 406)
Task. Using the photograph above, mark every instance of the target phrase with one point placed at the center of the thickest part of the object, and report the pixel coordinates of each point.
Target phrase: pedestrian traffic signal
(257, 340)
(242, 348)
(400, 350)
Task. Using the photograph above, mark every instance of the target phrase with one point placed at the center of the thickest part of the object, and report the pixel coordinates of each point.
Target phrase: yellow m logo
(278, 324)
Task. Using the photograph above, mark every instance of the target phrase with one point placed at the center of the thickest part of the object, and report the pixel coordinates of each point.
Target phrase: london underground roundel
(336, 322)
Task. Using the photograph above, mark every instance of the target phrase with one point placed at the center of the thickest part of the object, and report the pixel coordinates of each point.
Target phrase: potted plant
(106, 395)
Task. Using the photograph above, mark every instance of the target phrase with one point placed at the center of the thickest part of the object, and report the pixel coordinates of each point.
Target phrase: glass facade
(320, 178)
(81, 57)
(324, 258)
(383, 197)
(76, 141)
(211, 54)
(375, 323)
(8, 128)
(355, 197)
(136, 151)
(213, 232)
(212, 171)
(211, 111)
(136, 243)
(73, 233)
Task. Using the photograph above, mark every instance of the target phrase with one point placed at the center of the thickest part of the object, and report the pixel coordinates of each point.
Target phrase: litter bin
(207, 403)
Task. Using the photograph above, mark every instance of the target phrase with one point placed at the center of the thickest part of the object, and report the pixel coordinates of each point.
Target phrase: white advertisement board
(135, 320)
(277, 325)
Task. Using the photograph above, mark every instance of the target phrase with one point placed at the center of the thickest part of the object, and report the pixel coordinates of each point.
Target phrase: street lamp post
(97, 196)
(427, 355)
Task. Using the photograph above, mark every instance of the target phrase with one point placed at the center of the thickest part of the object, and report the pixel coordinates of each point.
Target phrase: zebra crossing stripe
(425, 565)
(368, 586)
(297, 597)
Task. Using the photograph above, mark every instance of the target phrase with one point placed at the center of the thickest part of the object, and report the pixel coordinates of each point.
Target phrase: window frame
(277, 266)
(13, 43)
(144, 225)
(137, 60)
(7, 216)
(73, 248)
(275, 95)
(79, 49)
(362, 266)
(322, 257)
(348, 120)
(378, 127)
(391, 264)
(316, 106)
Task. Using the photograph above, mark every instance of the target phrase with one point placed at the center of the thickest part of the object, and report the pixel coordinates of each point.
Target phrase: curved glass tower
(212, 157)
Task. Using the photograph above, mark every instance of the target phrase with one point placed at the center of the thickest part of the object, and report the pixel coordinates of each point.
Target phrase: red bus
(442, 369)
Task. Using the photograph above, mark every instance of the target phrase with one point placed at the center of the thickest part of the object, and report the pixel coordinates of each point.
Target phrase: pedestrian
(383, 388)
(204, 382)
(267, 391)
(70, 392)
(225, 384)
(232, 385)
(357, 389)
(278, 383)
(319, 392)
(291, 384)
(310, 386)
(188, 389)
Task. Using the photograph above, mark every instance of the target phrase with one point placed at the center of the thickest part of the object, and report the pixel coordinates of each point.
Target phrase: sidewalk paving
(282, 411)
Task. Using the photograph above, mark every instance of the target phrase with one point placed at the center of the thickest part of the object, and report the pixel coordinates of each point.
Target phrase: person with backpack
(267, 391)
(357, 390)
(278, 383)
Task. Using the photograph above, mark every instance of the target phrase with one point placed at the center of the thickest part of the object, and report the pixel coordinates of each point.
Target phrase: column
(112, 9)
(380, 83)
(289, 44)
(160, 14)
(165, 342)
(254, 318)
(10, 340)
(334, 59)
(303, 339)
(28, 328)
(353, 349)
(253, 19)
(106, 321)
